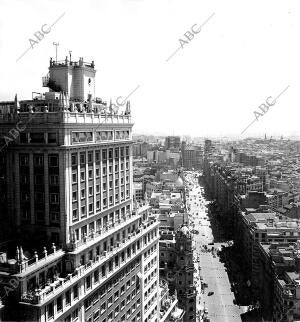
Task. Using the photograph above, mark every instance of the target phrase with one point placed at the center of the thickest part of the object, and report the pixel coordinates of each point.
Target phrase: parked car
(210, 293)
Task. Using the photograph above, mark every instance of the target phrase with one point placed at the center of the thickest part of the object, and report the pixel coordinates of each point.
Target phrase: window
(75, 315)
(74, 159)
(75, 214)
(23, 138)
(122, 289)
(54, 179)
(90, 174)
(96, 276)
(91, 206)
(90, 191)
(82, 211)
(74, 196)
(96, 315)
(82, 193)
(59, 304)
(103, 308)
(38, 160)
(88, 282)
(24, 179)
(82, 158)
(97, 172)
(39, 179)
(37, 138)
(97, 156)
(117, 310)
(68, 318)
(75, 291)
(122, 305)
(74, 177)
(54, 198)
(54, 217)
(50, 310)
(109, 301)
(104, 155)
(24, 160)
(103, 272)
(39, 197)
(116, 153)
(82, 175)
(102, 292)
(53, 161)
(68, 297)
(51, 137)
(90, 157)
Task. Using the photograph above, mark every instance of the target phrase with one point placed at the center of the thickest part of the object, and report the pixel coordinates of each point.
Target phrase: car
(210, 293)
(205, 311)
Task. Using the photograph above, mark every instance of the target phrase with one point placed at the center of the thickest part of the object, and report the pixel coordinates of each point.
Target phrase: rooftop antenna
(70, 53)
(56, 44)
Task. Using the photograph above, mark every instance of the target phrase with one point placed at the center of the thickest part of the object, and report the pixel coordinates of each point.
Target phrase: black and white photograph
(149, 161)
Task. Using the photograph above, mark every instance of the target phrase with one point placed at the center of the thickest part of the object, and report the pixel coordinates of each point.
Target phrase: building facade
(69, 182)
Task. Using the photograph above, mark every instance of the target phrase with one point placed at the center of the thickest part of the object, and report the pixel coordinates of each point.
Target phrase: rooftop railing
(167, 305)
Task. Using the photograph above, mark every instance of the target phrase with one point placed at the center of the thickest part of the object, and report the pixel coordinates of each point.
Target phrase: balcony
(47, 293)
(109, 229)
(26, 266)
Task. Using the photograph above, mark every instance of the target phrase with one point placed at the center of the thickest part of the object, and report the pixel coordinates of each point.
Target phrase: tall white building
(68, 183)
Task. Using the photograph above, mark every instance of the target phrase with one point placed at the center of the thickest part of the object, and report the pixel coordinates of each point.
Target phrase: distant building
(138, 191)
(139, 149)
(207, 146)
(177, 267)
(172, 142)
(192, 156)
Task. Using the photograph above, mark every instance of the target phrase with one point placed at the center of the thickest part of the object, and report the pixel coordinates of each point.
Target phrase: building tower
(185, 286)
(67, 170)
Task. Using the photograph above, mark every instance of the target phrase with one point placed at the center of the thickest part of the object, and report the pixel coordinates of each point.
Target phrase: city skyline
(220, 74)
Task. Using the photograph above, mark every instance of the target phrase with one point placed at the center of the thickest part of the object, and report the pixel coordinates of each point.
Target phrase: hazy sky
(247, 52)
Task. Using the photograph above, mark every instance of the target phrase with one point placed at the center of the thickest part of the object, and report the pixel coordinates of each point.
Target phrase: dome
(179, 182)
(185, 230)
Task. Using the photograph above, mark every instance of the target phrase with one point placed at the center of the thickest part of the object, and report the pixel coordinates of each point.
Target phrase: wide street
(218, 307)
